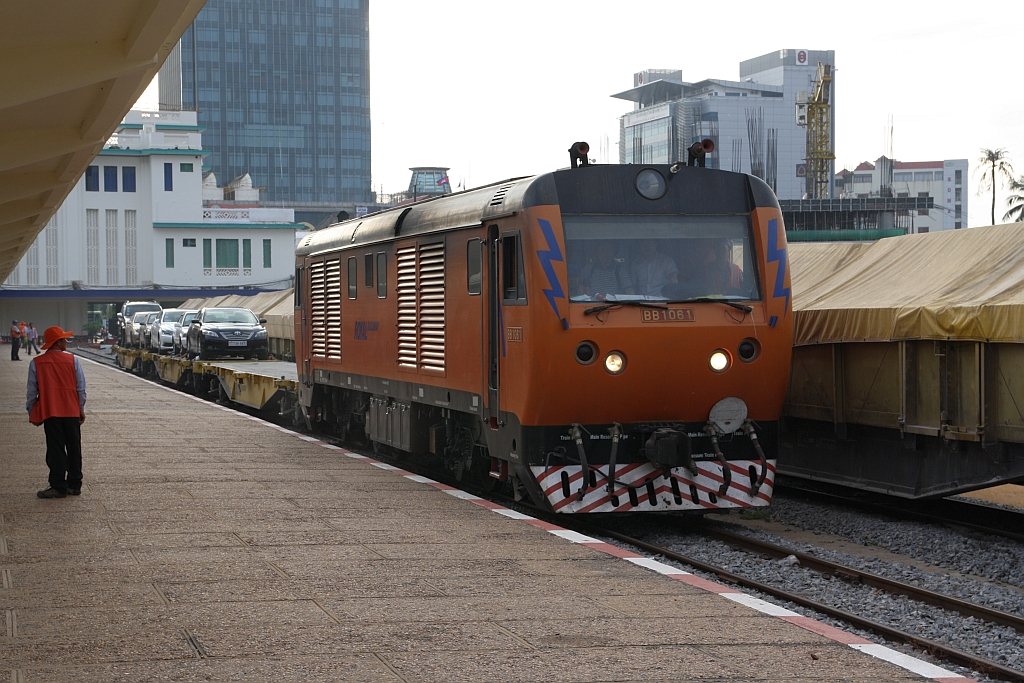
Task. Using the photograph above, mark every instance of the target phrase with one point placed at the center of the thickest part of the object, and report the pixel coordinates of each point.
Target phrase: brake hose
(748, 428)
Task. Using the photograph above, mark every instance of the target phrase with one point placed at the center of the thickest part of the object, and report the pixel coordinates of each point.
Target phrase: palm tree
(1015, 201)
(995, 166)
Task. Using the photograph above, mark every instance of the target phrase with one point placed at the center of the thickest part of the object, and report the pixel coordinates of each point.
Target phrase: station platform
(209, 545)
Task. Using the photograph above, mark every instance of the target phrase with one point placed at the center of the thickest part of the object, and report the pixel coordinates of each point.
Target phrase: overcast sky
(496, 90)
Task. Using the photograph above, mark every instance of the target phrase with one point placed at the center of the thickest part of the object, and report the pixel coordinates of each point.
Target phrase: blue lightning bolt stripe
(546, 257)
(778, 255)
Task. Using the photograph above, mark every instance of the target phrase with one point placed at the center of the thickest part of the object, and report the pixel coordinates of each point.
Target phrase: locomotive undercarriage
(648, 466)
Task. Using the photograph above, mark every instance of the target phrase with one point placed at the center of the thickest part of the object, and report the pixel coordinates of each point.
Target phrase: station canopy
(956, 284)
(69, 72)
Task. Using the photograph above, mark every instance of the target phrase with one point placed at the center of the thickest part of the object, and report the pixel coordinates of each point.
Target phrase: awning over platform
(957, 284)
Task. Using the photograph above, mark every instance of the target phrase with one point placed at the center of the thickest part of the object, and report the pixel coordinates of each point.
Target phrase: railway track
(944, 511)
(932, 647)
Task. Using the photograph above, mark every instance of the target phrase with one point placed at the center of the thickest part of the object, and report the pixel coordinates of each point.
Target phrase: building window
(188, 242)
(382, 275)
(185, 168)
(168, 177)
(957, 196)
(862, 178)
(227, 253)
(956, 226)
(92, 179)
(266, 253)
(92, 243)
(956, 211)
(247, 253)
(128, 179)
(922, 212)
(353, 277)
(959, 177)
(112, 240)
(903, 177)
(927, 175)
(938, 175)
(474, 268)
(110, 178)
(169, 252)
(207, 254)
(131, 251)
(52, 274)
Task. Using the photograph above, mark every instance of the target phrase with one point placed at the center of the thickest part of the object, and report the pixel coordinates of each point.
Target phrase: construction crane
(815, 112)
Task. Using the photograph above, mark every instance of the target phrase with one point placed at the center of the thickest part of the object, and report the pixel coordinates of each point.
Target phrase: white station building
(135, 228)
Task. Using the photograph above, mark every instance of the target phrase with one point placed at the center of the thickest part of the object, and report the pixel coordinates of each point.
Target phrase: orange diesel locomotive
(600, 338)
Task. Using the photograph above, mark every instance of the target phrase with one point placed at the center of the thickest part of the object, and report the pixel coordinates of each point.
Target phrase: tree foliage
(994, 167)
(1015, 202)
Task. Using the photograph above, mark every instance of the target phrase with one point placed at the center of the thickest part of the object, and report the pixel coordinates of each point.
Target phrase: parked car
(227, 332)
(147, 322)
(133, 331)
(161, 331)
(180, 334)
(127, 313)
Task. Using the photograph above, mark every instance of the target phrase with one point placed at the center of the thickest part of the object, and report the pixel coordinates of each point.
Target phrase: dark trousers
(64, 452)
(15, 343)
(29, 345)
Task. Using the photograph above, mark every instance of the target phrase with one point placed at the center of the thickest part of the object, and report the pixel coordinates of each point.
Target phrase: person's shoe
(51, 493)
(74, 492)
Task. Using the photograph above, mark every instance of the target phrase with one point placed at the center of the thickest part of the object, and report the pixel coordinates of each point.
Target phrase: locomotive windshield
(659, 258)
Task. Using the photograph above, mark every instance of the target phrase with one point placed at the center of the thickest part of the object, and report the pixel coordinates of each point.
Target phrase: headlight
(719, 361)
(615, 362)
(650, 184)
(210, 333)
(260, 334)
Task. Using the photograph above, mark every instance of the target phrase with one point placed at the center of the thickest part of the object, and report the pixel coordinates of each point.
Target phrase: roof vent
(499, 197)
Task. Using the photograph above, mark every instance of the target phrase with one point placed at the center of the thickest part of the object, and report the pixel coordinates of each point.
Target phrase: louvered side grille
(431, 305)
(332, 307)
(405, 288)
(499, 197)
(316, 309)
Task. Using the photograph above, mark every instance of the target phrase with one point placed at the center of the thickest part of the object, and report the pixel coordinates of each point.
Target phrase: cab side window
(474, 267)
(513, 275)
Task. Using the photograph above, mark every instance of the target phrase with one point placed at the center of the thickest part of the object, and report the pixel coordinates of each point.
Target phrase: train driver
(720, 273)
(652, 270)
(605, 274)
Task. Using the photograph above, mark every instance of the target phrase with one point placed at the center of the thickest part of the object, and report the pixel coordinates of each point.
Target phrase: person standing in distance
(15, 339)
(56, 400)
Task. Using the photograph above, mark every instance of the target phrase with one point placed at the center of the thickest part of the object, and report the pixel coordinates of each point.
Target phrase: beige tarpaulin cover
(260, 304)
(281, 319)
(962, 284)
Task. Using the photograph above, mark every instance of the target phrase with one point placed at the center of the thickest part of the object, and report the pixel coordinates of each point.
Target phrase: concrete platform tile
(689, 604)
(522, 582)
(126, 645)
(834, 661)
(188, 592)
(468, 551)
(338, 586)
(324, 669)
(260, 617)
(301, 569)
(167, 541)
(562, 666)
(354, 637)
(498, 608)
(43, 596)
(643, 631)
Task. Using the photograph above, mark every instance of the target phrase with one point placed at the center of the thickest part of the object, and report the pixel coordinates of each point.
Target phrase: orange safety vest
(58, 387)
(15, 332)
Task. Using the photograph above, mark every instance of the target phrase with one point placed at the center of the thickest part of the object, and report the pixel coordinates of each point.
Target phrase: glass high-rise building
(283, 89)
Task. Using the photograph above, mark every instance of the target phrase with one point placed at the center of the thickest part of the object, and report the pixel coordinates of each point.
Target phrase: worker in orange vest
(15, 339)
(56, 400)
